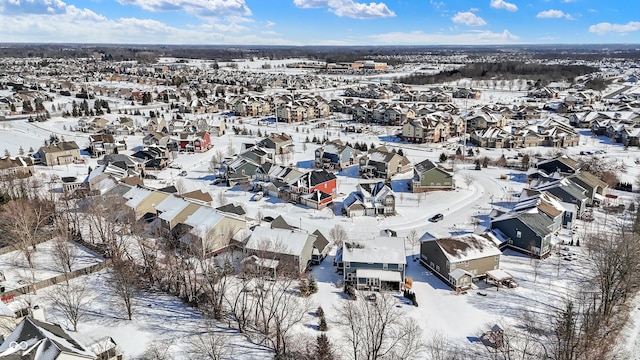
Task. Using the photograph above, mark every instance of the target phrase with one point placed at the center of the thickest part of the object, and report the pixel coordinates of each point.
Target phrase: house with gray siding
(373, 264)
(526, 232)
(334, 155)
(565, 190)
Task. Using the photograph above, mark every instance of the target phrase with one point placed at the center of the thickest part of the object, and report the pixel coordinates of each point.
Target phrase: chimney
(37, 313)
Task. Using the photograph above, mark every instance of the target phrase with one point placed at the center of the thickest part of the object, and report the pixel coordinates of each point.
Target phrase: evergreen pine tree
(21, 151)
(443, 157)
(7, 153)
(320, 311)
(313, 285)
(228, 267)
(322, 326)
(323, 348)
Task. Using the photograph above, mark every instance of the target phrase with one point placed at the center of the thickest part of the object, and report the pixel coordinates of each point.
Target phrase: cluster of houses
(620, 126)
(558, 193)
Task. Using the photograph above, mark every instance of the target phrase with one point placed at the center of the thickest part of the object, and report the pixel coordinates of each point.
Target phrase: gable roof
(60, 146)
(232, 209)
(278, 240)
(44, 341)
(281, 223)
(321, 241)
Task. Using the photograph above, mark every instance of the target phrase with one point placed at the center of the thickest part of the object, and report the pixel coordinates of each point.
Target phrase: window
(385, 266)
(466, 263)
(437, 268)
(447, 263)
(496, 258)
(518, 234)
(347, 265)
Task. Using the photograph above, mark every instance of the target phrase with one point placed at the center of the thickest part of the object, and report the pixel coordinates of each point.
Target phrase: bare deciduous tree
(615, 256)
(64, 253)
(413, 240)
(124, 283)
(209, 343)
(468, 179)
(338, 234)
(379, 330)
(181, 186)
(71, 300)
(158, 350)
(24, 223)
(222, 199)
(216, 160)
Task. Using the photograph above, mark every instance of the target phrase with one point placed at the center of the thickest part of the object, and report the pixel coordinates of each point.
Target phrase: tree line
(509, 70)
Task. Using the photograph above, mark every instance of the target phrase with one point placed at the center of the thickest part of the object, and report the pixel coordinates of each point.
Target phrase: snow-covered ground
(17, 271)
(456, 316)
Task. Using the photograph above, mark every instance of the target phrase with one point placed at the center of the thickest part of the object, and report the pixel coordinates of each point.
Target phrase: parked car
(175, 166)
(257, 196)
(436, 218)
(183, 173)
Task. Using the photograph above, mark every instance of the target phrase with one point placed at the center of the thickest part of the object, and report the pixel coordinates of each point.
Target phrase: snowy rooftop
(383, 249)
(203, 220)
(467, 247)
(279, 240)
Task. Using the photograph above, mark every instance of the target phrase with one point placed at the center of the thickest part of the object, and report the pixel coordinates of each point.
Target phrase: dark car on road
(436, 218)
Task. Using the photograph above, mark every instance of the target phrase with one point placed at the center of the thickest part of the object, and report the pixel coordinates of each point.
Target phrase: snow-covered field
(458, 317)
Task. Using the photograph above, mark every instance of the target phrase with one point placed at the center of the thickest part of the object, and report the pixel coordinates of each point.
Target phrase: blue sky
(321, 22)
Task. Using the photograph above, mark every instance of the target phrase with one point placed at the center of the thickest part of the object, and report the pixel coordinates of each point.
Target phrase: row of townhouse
(435, 95)
(432, 128)
(548, 132)
(621, 131)
(597, 121)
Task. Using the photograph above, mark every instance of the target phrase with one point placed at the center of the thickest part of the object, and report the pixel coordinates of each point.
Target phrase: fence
(9, 295)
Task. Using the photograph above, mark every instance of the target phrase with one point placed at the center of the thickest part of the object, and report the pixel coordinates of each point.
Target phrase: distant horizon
(540, 45)
(320, 22)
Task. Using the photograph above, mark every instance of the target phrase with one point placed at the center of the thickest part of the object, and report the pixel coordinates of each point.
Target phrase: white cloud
(270, 23)
(309, 4)
(501, 4)
(554, 14)
(349, 8)
(468, 18)
(467, 38)
(605, 28)
(201, 8)
(32, 6)
(75, 25)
